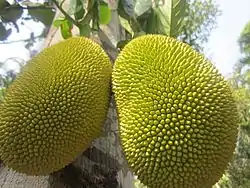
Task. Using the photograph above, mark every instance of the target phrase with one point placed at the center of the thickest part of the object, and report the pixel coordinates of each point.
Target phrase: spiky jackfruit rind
(177, 116)
(56, 107)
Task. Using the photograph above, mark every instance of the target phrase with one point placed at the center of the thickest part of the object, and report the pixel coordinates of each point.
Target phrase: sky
(14, 47)
(222, 46)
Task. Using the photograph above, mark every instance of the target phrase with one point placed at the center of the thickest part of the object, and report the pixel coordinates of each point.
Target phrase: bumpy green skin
(56, 107)
(177, 117)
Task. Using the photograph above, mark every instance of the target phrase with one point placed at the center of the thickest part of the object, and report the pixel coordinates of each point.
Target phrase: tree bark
(102, 165)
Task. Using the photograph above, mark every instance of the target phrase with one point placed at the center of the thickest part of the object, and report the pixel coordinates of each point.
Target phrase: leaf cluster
(189, 20)
(238, 174)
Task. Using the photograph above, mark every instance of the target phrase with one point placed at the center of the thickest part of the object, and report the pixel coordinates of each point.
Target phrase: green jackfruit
(177, 117)
(55, 107)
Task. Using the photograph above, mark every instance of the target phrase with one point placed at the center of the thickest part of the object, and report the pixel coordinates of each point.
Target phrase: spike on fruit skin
(56, 107)
(177, 117)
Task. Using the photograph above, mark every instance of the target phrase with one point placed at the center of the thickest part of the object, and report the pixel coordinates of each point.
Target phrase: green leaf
(244, 40)
(11, 15)
(58, 22)
(161, 21)
(3, 4)
(45, 16)
(104, 14)
(66, 28)
(177, 15)
(142, 6)
(169, 17)
(79, 10)
(125, 24)
(85, 30)
(4, 33)
(151, 26)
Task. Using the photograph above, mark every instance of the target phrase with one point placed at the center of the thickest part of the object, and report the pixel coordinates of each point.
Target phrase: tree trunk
(102, 165)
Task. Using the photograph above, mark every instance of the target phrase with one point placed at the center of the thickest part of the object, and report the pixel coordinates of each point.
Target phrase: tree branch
(65, 13)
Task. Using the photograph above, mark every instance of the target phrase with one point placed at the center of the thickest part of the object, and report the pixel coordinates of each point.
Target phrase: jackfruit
(55, 107)
(177, 116)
